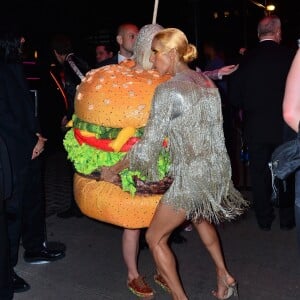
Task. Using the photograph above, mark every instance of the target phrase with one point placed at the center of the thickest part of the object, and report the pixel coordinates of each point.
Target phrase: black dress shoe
(44, 256)
(19, 284)
(70, 213)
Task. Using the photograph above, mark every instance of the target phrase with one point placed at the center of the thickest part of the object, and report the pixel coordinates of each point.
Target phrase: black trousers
(261, 182)
(26, 210)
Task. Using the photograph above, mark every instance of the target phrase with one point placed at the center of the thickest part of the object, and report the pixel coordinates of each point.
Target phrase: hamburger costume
(112, 106)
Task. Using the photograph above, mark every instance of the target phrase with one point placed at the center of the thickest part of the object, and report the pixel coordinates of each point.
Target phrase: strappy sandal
(232, 289)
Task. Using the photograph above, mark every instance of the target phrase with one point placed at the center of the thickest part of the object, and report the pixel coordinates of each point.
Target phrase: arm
(227, 70)
(217, 74)
(110, 174)
(144, 155)
(291, 102)
(214, 74)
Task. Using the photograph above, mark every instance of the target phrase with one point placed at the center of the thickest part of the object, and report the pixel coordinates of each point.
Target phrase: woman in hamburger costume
(187, 111)
(112, 106)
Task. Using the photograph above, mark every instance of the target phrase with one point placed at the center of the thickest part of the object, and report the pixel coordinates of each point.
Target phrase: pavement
(266, 264)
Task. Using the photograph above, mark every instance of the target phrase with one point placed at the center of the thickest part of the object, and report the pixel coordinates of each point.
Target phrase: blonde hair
(174, 38)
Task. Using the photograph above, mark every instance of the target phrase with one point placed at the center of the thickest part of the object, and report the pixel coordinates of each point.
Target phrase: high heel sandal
(161, 282)
(232, 289)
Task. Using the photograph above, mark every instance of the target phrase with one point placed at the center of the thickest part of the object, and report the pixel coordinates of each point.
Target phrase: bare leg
(210, 238)
(130, 247)
(165, 220)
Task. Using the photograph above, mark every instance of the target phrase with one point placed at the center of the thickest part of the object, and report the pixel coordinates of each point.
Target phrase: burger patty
(142, 187)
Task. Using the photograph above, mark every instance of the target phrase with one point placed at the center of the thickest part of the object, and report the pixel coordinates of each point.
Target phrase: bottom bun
(108, 203)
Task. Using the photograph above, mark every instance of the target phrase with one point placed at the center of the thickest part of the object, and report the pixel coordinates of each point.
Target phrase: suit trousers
(261, 181)
(26, 210)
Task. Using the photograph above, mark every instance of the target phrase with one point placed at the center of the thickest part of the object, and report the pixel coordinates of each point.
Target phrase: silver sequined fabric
(188, 113)
(142, 46)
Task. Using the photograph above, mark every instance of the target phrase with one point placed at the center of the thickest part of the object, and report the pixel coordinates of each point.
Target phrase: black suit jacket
(18, 123)
(257, 87)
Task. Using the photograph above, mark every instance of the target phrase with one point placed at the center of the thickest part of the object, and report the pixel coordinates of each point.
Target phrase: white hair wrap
(142, 46)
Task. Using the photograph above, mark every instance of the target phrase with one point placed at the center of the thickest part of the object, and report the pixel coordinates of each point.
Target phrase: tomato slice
(102, 144)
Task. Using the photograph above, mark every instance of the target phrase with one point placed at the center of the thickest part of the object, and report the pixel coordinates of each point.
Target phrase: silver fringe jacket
(187, 111)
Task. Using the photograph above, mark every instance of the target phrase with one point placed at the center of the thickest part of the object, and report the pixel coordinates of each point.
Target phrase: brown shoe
(161, 282)
(139, 287)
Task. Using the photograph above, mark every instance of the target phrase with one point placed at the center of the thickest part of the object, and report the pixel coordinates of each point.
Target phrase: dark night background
(231, 23)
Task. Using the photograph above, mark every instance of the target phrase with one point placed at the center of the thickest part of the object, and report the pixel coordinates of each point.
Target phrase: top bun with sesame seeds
(125, 102)
(112, 106)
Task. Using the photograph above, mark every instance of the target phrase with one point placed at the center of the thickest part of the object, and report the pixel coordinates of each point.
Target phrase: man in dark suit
(257, 87)
(126, 35)
(19, 126)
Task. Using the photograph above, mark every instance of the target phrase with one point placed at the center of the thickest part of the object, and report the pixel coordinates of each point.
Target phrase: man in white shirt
(126, 36)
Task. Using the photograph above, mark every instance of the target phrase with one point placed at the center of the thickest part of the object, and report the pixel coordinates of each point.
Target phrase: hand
(227, 70)
(109, 175)
(39, 147)
(242, 50)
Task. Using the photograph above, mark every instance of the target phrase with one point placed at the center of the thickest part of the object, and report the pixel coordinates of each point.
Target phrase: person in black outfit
(257, 87)
(103, 51)
(74, 70)
(19, 126)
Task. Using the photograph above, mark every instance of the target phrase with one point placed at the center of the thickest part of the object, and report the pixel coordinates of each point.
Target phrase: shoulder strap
(74, 67)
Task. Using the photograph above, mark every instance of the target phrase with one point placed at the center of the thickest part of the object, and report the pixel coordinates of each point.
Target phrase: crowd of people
(261, 90)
